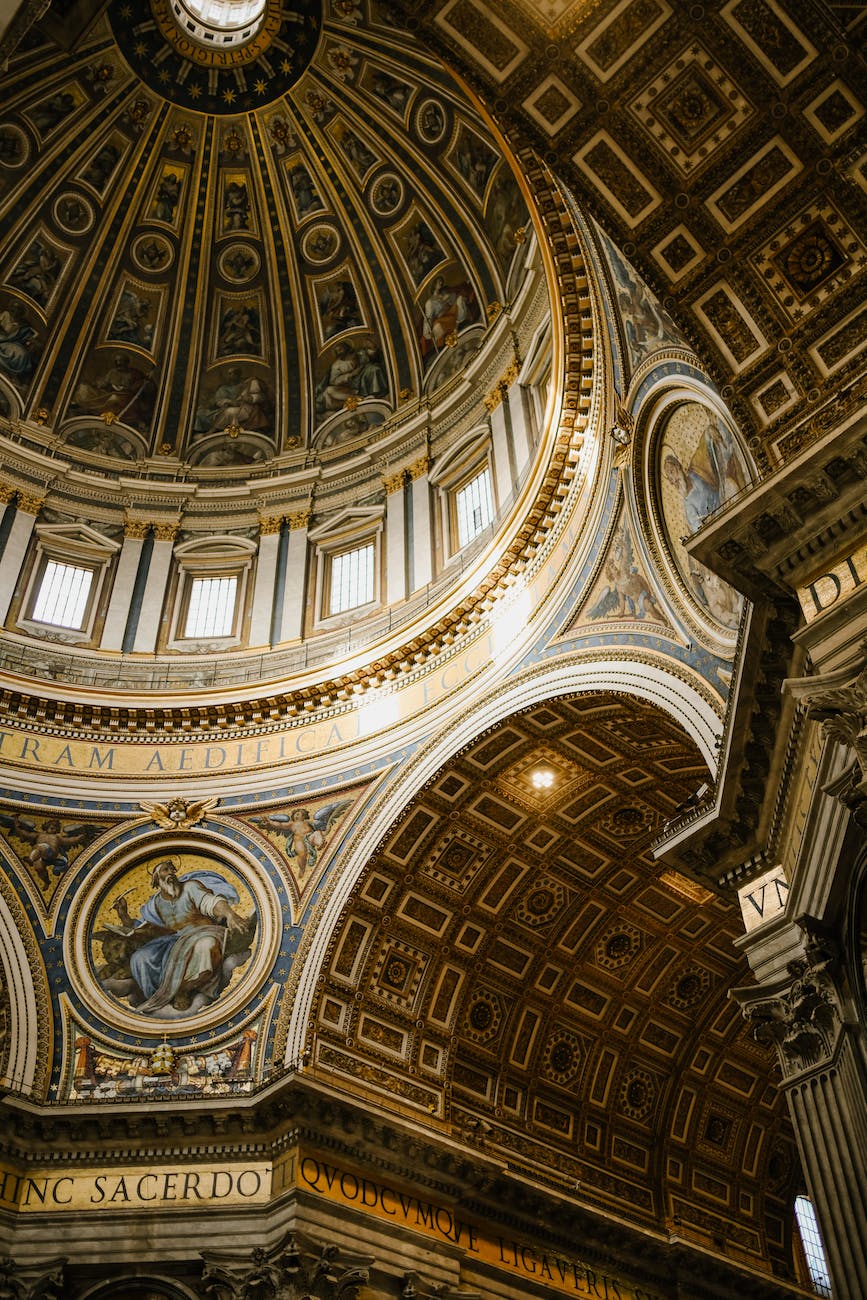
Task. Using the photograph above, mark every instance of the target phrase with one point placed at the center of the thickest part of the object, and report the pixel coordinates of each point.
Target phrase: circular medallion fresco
(701, 467)
(174, 934)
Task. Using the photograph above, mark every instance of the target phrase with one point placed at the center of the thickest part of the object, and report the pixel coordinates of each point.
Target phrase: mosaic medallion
(174, 934)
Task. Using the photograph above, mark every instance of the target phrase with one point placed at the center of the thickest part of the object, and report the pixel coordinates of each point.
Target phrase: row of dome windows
(212, 588)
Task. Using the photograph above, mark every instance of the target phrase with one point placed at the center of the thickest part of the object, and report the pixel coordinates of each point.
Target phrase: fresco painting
(20, 341)
(237, 397)
(239, 327)
(165, 200)
(302, 834)
(447, 305)
(337, 307)
(101, 166)
(701, 467)
(135, 317)
(101, 1071)
(37, 271)
(115, 385)
(474, 160)
(351, 372)
(48, 846)
(623, 590)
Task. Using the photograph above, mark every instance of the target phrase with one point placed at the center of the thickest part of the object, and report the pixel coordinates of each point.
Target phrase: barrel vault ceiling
(515, 964)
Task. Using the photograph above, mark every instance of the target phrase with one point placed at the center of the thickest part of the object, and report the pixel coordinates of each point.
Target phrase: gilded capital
(6, 493)
(166, 532)
(300, 520)
(394, 482)
(802, 1021)
(31, 505)
(135, 528)
(269, 524)
(419, 468)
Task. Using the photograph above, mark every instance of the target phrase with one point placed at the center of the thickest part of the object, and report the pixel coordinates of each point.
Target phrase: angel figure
(51, 842)
(303, 833)
(627, 594)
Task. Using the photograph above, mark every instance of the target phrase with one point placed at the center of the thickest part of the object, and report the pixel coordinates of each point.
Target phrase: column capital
(29, 503)
(7, 492)
(300, 520)
(166, 532)
(269, 524)
(135, 528)
(839, 702)
(394, 482)
(802, 1020)
(419, 468)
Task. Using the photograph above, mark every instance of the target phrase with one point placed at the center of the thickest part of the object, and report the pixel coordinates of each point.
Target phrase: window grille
(62, 597)
(475, 507)
(812, 1243)
(351, 579)
(211, 608)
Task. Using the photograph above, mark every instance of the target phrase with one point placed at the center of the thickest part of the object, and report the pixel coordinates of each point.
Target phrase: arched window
(814, 1251)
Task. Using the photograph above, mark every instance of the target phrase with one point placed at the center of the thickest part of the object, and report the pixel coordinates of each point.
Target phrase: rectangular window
(475, 507)
(211, 609)
(62, 597)
(351, 579)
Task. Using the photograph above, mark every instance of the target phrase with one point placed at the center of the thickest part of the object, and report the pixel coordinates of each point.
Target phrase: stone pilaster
(295, 586)
(822, 1061)
(17, 542)
(395, 536)
(422, 533)
(263, 590)
(117, 615)
(155, 587)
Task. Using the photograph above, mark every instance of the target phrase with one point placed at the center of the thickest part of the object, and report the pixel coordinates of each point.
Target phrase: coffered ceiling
(723, 147)
(515, 963)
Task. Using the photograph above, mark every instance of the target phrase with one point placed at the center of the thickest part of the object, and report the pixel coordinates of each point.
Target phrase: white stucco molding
(636, 677)
(23, 1029)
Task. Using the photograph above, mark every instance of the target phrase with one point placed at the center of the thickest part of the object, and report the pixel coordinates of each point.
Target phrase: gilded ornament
(31, 505)
(179, 814)
(165, 532)
(300, 520)
(394, 482)
(419, 468)
(136, 528)
(41, 415)
(270, 524)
